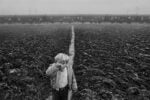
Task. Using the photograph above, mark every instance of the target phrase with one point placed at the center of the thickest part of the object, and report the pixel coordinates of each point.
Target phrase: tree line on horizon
(71, 19)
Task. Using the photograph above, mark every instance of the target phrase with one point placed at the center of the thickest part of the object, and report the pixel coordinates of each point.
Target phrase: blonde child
(60, 81)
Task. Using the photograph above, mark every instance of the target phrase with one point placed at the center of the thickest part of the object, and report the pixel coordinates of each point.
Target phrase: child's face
(61, 62)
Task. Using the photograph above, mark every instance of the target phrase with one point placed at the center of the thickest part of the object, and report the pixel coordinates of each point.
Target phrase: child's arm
(51, 69)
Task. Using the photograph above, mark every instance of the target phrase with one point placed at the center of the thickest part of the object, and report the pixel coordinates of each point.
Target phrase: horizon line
(75, 15)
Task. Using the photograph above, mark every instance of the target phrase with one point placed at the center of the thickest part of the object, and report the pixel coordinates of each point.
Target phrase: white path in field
(71, 53)
(71, 60)
(72, 45)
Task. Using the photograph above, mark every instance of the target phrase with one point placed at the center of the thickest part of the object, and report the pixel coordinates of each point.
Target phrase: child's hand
(58, 65)
(63, 66)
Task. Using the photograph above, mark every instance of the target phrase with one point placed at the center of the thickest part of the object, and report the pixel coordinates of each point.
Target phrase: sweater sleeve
(51, 69)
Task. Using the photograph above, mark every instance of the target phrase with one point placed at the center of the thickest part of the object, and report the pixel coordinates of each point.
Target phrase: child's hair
(62, 57)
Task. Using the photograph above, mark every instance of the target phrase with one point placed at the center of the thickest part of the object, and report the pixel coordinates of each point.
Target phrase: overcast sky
(11, 7)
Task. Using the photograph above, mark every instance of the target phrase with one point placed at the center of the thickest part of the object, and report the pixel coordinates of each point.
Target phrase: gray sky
(12, 7)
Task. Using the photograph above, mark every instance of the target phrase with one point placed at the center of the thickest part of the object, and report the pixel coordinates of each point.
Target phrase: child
(60, 73)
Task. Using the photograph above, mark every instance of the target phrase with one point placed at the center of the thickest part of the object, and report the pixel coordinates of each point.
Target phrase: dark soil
(25, 53)
(112, 62)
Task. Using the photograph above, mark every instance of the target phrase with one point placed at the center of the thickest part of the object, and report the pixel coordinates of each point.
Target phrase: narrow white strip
(71, 61)
(72, 44)
(71, 52)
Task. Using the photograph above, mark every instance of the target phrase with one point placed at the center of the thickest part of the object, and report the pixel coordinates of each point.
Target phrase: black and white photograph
(74, 49)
